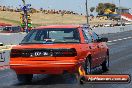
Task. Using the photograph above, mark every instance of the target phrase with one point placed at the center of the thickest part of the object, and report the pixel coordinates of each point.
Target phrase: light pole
(25, 9)
(87, 12)
(25, 15)
(120, 11)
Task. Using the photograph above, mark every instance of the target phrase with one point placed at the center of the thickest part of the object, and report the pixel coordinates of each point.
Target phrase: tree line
(100, 9)
(33, 10)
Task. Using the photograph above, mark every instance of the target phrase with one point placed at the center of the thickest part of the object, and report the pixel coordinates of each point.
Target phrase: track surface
(120, 63)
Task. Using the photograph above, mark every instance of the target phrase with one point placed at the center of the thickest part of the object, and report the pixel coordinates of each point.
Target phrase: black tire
(82, 80)
(87, 66)
(79, 79)
(105, 65)
(24, 78)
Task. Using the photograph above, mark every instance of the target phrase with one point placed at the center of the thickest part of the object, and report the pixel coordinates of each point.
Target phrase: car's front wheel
(25, 78)
(105, 64)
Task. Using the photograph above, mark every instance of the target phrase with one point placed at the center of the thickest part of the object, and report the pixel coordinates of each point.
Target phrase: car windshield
(52, 35)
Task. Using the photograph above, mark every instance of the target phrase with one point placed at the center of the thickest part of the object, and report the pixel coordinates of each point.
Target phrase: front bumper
(44, 67)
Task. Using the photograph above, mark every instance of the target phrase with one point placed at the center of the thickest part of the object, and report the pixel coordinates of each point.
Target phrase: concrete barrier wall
(11, 38)
(106, 30)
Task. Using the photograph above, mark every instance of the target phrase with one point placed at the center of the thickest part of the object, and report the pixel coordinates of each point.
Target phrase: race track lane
(120, 63)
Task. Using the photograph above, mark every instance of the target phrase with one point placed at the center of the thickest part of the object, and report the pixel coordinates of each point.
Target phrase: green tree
(100, 8)
(110, 6)
(103, 6)
(92, 9)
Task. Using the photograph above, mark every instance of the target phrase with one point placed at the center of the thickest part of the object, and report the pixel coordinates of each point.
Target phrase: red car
(59, 49)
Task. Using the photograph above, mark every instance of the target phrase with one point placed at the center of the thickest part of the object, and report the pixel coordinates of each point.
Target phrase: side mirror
(103, 40)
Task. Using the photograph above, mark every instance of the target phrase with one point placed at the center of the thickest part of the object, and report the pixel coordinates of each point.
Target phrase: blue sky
(74, 5)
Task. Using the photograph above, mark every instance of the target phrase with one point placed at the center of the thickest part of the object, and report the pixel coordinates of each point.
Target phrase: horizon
(77, 6)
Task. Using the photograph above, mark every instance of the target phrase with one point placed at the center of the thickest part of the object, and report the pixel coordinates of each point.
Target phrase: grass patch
(17, 22)
(40, 19)
(36, 25)
(9, 20)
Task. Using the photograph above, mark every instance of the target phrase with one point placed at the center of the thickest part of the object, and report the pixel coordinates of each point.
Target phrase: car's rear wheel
(25, 78)
(87, 66)
(79, 79)
(87, 69)
(105, 64)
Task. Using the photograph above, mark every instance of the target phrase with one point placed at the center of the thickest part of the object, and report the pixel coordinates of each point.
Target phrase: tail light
(15, 53)
(65, 52)
(43, 52)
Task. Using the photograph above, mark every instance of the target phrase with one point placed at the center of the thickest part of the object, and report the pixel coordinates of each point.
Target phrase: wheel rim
(88, 67)
(107, 61)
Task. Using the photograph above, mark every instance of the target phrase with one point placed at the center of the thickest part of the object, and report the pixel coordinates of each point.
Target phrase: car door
(91, 46)
(99, 48)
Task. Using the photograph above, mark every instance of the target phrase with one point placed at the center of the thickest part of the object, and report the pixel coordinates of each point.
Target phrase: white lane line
(119, 39)
(129, 37)
(114, 40)
(124, 38)
(109, 41)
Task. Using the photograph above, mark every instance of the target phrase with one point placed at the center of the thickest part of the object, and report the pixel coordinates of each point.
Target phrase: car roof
(60, 26)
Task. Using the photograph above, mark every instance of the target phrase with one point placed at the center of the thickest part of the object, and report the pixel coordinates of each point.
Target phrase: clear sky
(74, 5)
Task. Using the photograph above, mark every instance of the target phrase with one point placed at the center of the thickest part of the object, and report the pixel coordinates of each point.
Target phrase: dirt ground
(39, 19)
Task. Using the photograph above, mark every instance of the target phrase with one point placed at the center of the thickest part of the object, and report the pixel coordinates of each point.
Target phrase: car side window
(95, 36)
(87, 36)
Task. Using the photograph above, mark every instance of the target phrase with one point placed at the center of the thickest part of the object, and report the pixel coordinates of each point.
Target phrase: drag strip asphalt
(120, 63)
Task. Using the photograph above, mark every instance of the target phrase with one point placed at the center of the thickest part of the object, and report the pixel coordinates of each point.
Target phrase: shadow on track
(56, 79)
